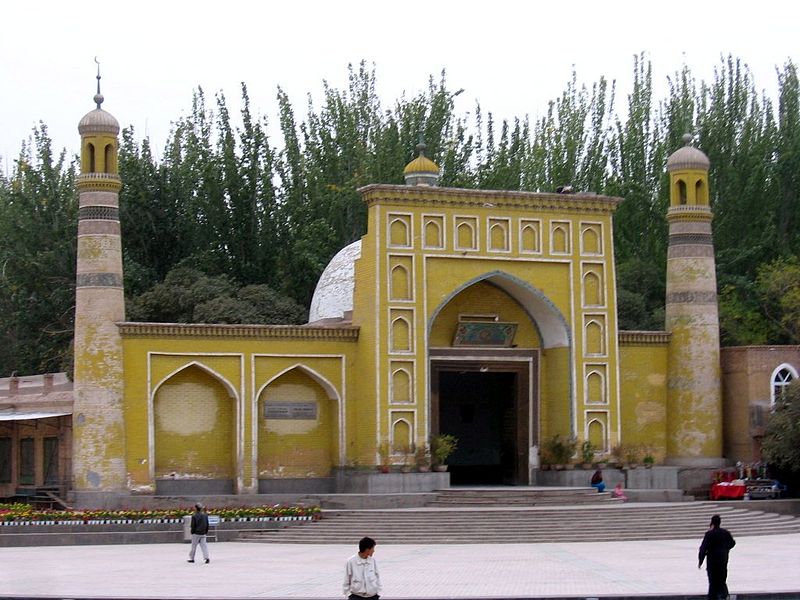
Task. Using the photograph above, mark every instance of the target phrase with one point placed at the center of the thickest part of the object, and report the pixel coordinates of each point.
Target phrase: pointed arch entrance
(485, 391)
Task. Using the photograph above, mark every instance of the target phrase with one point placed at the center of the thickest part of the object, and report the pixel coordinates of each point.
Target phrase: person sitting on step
(597, 481)
(619, 494)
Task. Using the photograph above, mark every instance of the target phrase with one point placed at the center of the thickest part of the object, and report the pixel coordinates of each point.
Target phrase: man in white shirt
(361, 578)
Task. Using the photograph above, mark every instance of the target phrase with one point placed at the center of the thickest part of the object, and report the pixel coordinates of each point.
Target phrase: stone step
(576, 522)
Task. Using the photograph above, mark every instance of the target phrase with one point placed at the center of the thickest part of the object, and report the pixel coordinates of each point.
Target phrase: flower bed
(24, 514)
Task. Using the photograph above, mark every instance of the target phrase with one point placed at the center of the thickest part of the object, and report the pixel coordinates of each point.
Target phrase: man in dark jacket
(199, 532)
(717, 542)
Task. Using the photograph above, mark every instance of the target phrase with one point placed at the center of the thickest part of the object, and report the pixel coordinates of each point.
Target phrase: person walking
(199, 531)
(361, 577)
(717, 543)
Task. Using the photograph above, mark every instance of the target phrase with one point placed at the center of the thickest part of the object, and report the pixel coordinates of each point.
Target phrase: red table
(727, 490)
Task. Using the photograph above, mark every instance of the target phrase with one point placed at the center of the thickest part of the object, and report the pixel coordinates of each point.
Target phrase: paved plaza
(247, 570)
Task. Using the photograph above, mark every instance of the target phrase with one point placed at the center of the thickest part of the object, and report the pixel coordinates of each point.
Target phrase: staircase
(46, 497)
(477, 497)
(526, 516)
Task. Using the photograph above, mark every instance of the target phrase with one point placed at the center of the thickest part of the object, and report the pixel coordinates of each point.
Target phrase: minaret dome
(422, 170)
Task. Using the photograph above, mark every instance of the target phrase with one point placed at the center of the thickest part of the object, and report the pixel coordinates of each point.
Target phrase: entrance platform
(760, 567)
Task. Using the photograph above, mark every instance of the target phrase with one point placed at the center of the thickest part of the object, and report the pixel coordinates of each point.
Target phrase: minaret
(694, 398)
(98, 431)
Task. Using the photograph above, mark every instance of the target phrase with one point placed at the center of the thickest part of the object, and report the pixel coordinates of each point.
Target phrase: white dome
(333, 296)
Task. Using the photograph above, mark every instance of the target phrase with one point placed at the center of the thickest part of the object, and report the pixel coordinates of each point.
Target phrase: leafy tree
(38, 226)
(190, 296)
(641, 288)
(225, 202)
(779, 285)
(781, 442)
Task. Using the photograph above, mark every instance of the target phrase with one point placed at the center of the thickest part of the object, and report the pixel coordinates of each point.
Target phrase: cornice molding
(643, 338)
(441, 196)
(106, 182)
(689, 213)
(296, 332)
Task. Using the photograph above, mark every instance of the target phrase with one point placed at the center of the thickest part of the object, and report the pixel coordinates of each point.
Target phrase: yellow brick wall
(232, 374)
(643, 383)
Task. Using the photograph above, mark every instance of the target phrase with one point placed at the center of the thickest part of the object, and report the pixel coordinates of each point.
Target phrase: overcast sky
(511, 56)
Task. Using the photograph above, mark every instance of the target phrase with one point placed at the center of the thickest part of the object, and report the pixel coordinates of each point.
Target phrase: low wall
(123, 533)
(655, 478)
(373, 482)
(783, 506)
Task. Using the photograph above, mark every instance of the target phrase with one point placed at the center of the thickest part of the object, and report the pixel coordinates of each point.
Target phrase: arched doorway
(487, 405)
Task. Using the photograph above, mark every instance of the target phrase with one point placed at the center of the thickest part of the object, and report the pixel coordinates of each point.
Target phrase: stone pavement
(242, 570)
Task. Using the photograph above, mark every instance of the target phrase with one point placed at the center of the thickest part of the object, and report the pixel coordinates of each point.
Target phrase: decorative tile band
(692, 297)
(98, 227)
(105, 213)
(99, 280)
(680, 239)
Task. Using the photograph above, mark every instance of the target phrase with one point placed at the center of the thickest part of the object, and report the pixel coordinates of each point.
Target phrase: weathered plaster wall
(643, 381)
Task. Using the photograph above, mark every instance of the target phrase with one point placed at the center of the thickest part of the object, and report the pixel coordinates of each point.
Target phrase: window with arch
(91, 165)
(700, 195)
(784, 375)
(498, 235)
(530, 237)
(466, 234)
(434, 228)
(108, 159)
(400, 288)
(596, 431)
(559, 239)
(401, 390)
(401, 335)
(682, 192)
(399, 231)
(402, 435)
(595, 390)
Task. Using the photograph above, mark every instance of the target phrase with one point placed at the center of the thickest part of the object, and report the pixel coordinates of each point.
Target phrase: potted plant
(545, 460)
(648, 461)
(442, 446)
(632, 456)
(587, 454)
(422, 457)
(384, 450)
(617, 452)
(561, 450)
(408, 458)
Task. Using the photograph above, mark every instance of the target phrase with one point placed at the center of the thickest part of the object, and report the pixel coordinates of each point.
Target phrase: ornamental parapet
(266, 332)
(643, 338)
(107, 182)
(440, 196)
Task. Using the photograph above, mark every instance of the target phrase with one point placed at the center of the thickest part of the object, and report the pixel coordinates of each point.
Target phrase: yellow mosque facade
(488, 315)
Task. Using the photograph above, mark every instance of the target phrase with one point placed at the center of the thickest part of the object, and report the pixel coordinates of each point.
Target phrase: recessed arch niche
(297, 416)
(194, 420)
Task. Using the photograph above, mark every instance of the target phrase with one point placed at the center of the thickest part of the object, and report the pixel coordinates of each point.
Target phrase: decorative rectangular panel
(485, 334)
